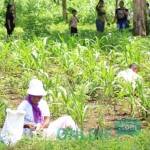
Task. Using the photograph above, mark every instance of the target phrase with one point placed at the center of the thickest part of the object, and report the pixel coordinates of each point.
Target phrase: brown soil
(97, 114)
(108, 116)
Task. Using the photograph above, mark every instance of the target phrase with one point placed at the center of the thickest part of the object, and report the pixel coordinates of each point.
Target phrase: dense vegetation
(75, 70)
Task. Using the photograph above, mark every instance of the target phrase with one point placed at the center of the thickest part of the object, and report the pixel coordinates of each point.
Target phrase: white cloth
(26, 106)
(130, 76)
(36, 88)
(62, 122)
(13, 127)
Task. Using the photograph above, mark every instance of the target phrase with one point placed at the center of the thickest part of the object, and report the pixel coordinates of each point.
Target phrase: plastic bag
(13, 127)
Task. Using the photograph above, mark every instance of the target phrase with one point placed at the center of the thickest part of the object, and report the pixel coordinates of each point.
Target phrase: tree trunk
(139, 17)
(64, 9)
(116, 4)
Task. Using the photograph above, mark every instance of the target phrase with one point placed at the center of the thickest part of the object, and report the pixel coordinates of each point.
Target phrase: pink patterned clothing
(74, 22)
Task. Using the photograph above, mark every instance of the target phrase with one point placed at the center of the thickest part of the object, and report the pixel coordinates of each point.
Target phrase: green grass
(140, 142)
(74, 70)
(69, 65)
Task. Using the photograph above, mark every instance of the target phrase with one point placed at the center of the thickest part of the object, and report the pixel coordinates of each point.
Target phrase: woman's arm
(46, 122)
(126, 12)
(8, 22)
(30, 126)
(115, 17)
(77, 19)
(14, 18)
(70, 22)
(97, 7)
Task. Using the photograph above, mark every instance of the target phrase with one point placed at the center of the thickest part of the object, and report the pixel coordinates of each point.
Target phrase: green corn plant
(127, 92)
(144, 101)
(75, 103)
(3, 105)
(107, 74)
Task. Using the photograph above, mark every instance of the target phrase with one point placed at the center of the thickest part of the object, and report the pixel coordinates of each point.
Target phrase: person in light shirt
(73, 23)
(37, 114)
(130, 75)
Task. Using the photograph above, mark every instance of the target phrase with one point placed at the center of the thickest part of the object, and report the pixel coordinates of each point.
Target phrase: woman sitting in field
(37, 117)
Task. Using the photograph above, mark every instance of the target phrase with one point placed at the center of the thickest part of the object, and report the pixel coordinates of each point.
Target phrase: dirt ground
(105, 116)
(98, 115)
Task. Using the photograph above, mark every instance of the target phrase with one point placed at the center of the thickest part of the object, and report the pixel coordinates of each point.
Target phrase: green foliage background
(74, 70)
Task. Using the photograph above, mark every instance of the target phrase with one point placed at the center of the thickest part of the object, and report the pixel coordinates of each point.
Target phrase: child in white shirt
(130, 75)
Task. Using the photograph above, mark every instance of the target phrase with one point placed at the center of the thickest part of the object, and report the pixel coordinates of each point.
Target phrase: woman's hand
(31, 126)
(39, 128)
(45, 124)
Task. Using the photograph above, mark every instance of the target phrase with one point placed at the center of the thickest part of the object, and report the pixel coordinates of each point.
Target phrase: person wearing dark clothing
(10, 19)
(101, 16)
(121, 15)
(148, 18)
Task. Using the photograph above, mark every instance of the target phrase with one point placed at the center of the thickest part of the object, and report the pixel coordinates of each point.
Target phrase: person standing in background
(121, 16)
(10, 19)
(148, 18)
(73, 23)
(101, 16)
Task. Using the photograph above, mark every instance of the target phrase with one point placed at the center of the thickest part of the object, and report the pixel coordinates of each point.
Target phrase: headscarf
(36, 110)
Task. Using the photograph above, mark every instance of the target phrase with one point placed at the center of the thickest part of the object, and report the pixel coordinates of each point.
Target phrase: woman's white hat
(36, 88)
